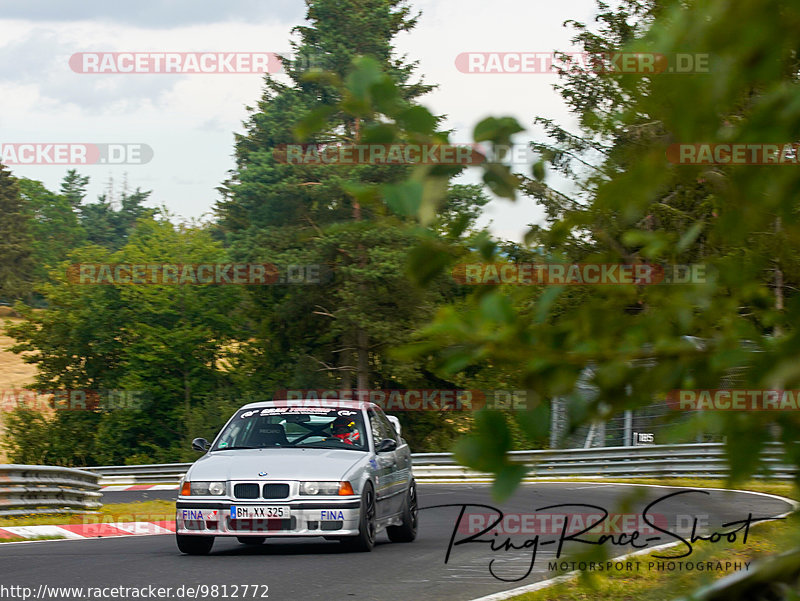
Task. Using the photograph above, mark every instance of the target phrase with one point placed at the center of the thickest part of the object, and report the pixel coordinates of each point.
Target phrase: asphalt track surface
(315, 569)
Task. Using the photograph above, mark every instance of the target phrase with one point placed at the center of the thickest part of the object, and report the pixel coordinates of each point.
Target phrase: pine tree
(16, 242)
(73, 188)
(109, 227)
(323, 335)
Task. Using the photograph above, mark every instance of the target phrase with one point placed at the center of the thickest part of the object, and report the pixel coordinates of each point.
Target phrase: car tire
(194, 545)
(365, 539)
(407, 531)
(251, 540)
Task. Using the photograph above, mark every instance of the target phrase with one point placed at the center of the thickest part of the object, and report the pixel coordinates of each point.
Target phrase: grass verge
(144, 511)
(646, 581)
(19, 539)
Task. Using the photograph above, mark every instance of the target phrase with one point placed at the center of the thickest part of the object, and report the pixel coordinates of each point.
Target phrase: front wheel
(407, 531)
(365, 539)
(194, 545)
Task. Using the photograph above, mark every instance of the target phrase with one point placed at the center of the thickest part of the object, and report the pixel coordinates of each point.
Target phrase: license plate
(264, 512)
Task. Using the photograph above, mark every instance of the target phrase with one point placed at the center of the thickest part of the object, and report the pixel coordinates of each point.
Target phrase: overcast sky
(189, 120)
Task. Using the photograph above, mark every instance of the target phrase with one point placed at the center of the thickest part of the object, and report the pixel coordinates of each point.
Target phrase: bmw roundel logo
(262, 473)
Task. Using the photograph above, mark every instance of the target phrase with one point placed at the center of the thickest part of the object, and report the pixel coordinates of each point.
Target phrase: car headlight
(319, 488)
(203, 488)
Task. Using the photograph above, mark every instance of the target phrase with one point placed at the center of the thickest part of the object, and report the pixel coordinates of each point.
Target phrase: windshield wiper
(237, 447)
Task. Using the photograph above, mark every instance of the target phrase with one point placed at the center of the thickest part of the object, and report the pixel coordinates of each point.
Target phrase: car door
(385, 484)
(403, 472)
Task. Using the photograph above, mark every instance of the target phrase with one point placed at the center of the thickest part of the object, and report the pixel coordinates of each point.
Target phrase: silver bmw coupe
(300, 468)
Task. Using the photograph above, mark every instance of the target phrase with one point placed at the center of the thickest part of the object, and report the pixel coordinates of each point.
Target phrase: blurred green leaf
(496, 307)
(538, 170)
(427, 260)
(378, 133)
(501, 180)
(506, 481)
(404, 198)
(417, 119)
(366, 73)
(497, 130)
(313, 122)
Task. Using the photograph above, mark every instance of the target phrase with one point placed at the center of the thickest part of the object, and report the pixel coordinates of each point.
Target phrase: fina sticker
(198, 514)
(330, 514)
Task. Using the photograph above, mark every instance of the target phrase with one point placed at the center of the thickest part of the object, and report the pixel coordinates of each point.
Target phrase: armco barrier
(26, 489)
(704, 460)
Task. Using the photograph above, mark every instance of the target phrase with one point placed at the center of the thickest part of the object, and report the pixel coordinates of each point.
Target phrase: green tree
(16, 243)
(73, 188)
(106, 225)
(545, 343)
(333, 335)
(166, 346)
(55, 227)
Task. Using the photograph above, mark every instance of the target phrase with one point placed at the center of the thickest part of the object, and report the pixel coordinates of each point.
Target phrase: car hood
(279, 464)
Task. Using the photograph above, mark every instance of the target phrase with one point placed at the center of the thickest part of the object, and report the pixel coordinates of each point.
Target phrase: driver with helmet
(344, 429)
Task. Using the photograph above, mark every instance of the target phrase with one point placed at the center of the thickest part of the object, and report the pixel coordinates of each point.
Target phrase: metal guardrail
(26, 489)
(159, 473)
(703, 460)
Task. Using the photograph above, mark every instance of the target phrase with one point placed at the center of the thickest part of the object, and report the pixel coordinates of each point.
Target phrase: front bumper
(307, 518)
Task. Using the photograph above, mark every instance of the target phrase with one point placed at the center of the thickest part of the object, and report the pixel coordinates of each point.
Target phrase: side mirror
(386, 445)
(395, 423)
(200, 444)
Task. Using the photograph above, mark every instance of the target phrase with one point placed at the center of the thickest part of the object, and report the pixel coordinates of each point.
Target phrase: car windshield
(315, 427)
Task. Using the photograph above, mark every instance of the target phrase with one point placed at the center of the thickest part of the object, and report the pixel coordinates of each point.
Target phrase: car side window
(387, 426)
(379, 431)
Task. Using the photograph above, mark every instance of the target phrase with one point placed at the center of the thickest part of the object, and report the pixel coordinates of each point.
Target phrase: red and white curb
(119, 487)
(99, 530)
